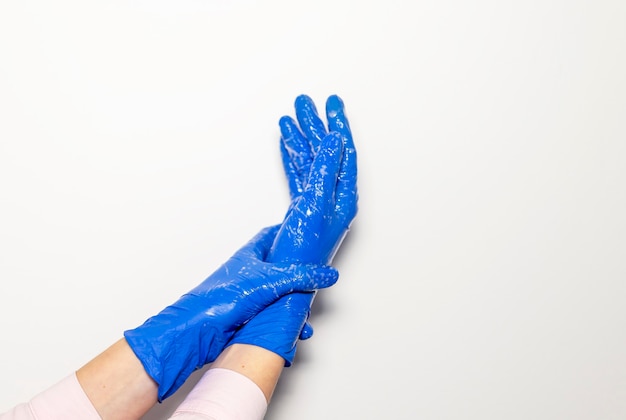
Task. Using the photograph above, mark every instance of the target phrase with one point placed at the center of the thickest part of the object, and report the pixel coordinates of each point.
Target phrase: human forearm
(238, 385)
(261, 366)
(117, 384)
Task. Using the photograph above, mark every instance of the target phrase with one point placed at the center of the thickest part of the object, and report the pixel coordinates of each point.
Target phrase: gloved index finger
(295, 143)
(294, 177)
(260, 244)
(337, 119)
(310, 123)
(324, 172)
(296, 155)
(346, 195)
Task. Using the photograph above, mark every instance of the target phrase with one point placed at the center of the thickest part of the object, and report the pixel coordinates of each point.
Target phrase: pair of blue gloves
(262, 295)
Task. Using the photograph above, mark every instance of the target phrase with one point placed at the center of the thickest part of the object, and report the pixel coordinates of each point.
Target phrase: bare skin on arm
(117, 384)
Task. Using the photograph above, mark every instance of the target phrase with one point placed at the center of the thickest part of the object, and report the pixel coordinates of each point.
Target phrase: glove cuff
(170, 354)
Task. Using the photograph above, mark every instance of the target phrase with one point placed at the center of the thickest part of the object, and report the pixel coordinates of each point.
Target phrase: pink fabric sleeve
(63, 401)
(223, 394)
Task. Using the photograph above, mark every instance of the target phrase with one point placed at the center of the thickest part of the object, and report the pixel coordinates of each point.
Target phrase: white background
(484, 277)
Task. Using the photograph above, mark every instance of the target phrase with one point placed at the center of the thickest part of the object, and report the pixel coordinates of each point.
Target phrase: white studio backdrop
(484, 277)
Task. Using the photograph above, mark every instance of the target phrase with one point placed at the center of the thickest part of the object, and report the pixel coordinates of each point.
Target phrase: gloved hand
(193, 331)
(300, 145)
(321, 169)
(278, 327)
(299, 148)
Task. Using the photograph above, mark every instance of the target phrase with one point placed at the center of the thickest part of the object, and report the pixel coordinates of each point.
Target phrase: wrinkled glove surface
(320, 165)
(194, 330)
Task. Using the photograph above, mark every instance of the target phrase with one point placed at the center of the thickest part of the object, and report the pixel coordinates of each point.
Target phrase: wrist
(261, 366)
(116, 382)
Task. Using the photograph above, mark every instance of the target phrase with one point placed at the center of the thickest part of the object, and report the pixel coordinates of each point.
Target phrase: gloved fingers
(278, 326)
(310, 123)
(307, 331)
(346, 194)
(337, 120)
(295, 179)
(322, 183)
(258, 247)
(300, 278)
(296, 144)
(297, 306)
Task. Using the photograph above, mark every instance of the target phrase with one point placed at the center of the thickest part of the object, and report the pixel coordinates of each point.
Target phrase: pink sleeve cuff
(65, 400)
(223, 394)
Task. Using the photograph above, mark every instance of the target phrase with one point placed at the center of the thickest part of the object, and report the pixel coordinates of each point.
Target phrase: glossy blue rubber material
(194, 330)
(320, 164)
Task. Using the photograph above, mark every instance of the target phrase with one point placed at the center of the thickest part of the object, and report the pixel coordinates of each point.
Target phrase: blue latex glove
(299, 145)
(193, 331)
(321, 169)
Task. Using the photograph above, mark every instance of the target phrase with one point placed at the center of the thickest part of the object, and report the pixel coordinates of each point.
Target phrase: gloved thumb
(307, 331)
(306, 278)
